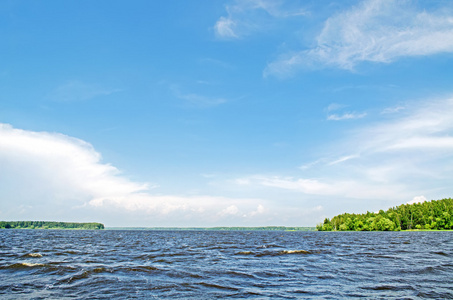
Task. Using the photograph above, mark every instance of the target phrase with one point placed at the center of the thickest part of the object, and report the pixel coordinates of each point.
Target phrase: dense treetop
(436, 214)
(48, 225)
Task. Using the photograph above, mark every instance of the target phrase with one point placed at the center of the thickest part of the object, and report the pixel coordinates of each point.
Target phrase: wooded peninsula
(433, 215)
(48, 225)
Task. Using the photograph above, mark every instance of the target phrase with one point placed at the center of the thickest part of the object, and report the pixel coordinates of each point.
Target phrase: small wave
(388, 288)
(69, 252)
(284, 252)
(245, 253)
(192, 275)
(295, 252)
(274, 253)
(264, 275)
(22, 265)
(326, 277)
(434, 295)
(440, 253)
(269, 246)
(217, 286)
(32, 264)
(239, 274)
(245, 294)
(78, 276)
(35, 255)
(102, 270)
(141, 269)
(383, 256)
(214, 247)
(433, 269)
(300, 292)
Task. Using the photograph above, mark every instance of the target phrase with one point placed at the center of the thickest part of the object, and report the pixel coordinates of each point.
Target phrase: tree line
(436, 215)
(48, 225)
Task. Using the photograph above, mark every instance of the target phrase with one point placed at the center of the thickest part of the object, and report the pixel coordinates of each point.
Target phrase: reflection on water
(39, 264)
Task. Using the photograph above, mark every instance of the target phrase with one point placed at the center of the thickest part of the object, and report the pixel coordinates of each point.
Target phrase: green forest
(48, 225)
(433, 215)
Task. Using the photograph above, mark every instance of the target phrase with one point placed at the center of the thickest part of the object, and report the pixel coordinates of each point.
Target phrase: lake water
(112, 264)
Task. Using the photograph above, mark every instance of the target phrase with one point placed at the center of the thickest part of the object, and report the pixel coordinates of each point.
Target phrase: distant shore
(265, 228)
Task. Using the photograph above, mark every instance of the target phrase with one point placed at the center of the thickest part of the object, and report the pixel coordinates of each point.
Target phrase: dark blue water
(57, 264)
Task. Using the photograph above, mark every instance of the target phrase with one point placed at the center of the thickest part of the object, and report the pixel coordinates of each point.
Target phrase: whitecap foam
(295, 252)
(34, 255)
(26, 264)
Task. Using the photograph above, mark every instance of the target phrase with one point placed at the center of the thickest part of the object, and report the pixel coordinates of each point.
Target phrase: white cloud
(417, 199)
(335, 106)
(392, 110)
(342, 159)
(345, 116)
(242, 181)
(311, 164)
(342, 116)
(225, 28)
(53, 176)
(374, 31)
(61, 159)
(230, 210)
(247, 16)
(259, 210)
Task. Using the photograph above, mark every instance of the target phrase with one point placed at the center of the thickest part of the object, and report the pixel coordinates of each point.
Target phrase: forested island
(48, 225)
(433, 215)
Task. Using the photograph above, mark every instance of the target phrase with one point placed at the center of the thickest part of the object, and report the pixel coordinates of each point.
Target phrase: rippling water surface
(41, 264)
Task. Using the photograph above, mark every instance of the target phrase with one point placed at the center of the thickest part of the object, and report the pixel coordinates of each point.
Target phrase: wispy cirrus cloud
(334, 113)
(345, 116)
(392, 110)
(342, 159)
(394, 159)
(248, 16)
(374, 31)
(76, 90)
(344, 188)
(197, 100)
(200, 100)
(427, 126)
(421, 134)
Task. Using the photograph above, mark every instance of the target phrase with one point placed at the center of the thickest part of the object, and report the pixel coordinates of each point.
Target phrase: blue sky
(223, 113)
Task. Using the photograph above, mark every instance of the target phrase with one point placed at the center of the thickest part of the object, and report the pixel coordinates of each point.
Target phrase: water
(109, 264)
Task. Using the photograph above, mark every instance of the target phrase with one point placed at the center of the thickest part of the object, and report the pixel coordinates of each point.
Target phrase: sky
(223, 113)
